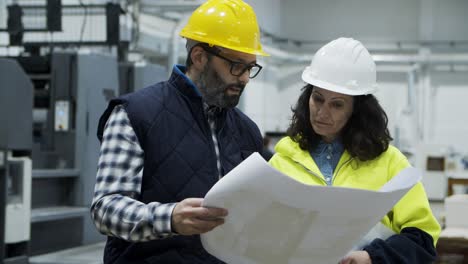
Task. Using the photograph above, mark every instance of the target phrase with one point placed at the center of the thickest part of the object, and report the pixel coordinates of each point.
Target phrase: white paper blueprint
(276, 219)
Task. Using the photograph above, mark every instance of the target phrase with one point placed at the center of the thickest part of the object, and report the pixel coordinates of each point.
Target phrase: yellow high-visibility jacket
(412, 210)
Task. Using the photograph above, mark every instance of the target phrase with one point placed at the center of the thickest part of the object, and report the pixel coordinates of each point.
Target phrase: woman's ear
(199, 58)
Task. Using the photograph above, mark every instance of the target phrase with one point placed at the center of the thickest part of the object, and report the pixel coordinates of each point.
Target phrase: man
(165, 146)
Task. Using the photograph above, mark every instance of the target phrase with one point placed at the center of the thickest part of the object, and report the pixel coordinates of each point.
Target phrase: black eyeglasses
(237, 68)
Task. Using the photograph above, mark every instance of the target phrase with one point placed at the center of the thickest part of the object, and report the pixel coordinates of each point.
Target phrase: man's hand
(190, 218)
(357, 257)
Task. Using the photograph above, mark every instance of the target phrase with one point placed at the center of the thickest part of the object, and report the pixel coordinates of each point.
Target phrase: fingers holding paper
(190, 218)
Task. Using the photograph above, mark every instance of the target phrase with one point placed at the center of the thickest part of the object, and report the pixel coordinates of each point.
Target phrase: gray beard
(213, 89)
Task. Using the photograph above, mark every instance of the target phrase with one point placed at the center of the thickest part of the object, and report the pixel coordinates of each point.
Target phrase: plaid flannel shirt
(114, 209)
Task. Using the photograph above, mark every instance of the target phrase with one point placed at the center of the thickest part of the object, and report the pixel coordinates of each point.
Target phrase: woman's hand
(357, 257)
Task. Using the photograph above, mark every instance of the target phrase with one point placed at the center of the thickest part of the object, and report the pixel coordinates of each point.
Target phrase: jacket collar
(289, 148)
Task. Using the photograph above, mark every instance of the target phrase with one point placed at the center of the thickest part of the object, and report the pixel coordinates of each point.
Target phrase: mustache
(241, 86)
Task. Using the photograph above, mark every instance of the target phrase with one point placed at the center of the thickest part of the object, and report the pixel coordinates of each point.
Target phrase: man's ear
(199, 58)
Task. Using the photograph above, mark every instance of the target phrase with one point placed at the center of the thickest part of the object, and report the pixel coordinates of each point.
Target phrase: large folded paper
(276, 219)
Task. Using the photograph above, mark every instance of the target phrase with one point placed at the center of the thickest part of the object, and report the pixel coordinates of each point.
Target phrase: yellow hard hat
(230, 24)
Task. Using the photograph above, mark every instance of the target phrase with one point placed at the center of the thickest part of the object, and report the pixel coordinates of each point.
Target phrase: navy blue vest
(180, 160)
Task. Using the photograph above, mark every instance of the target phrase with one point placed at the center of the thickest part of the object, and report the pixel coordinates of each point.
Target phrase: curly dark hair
(365, 136)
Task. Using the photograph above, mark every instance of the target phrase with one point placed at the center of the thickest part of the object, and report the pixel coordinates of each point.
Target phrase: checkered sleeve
(114, 209)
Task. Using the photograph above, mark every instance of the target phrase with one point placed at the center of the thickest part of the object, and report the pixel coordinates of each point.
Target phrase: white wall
(3, 14)
(450, 20)
(270, 105)
(393, 96)
(374, 20)
(93, 25)
(3, 22)
(268, 14)
(94, 29)
(323, 20)
(450, 121)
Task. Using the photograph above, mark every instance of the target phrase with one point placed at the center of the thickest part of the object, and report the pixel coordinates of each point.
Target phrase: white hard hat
(344, 66)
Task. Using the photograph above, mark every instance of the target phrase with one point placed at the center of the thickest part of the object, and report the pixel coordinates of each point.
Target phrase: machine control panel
(62, 114)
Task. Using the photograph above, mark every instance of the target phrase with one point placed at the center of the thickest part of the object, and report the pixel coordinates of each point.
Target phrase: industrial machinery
(16, 100)
(49, 150)
(48, 17)
(71, 91)
(135, 75)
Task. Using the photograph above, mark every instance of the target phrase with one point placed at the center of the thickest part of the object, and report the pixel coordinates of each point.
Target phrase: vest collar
(183, 83)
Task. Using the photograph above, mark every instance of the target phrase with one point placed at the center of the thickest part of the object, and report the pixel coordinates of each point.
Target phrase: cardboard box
(456, 211)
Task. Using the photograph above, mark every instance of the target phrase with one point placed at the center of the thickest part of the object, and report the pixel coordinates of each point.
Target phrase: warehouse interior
(61, 61)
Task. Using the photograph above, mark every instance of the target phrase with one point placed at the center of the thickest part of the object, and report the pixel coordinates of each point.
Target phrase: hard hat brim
(306, 77)
(192, 36)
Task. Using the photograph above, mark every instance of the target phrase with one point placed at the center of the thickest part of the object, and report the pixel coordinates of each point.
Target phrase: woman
(338, 136)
